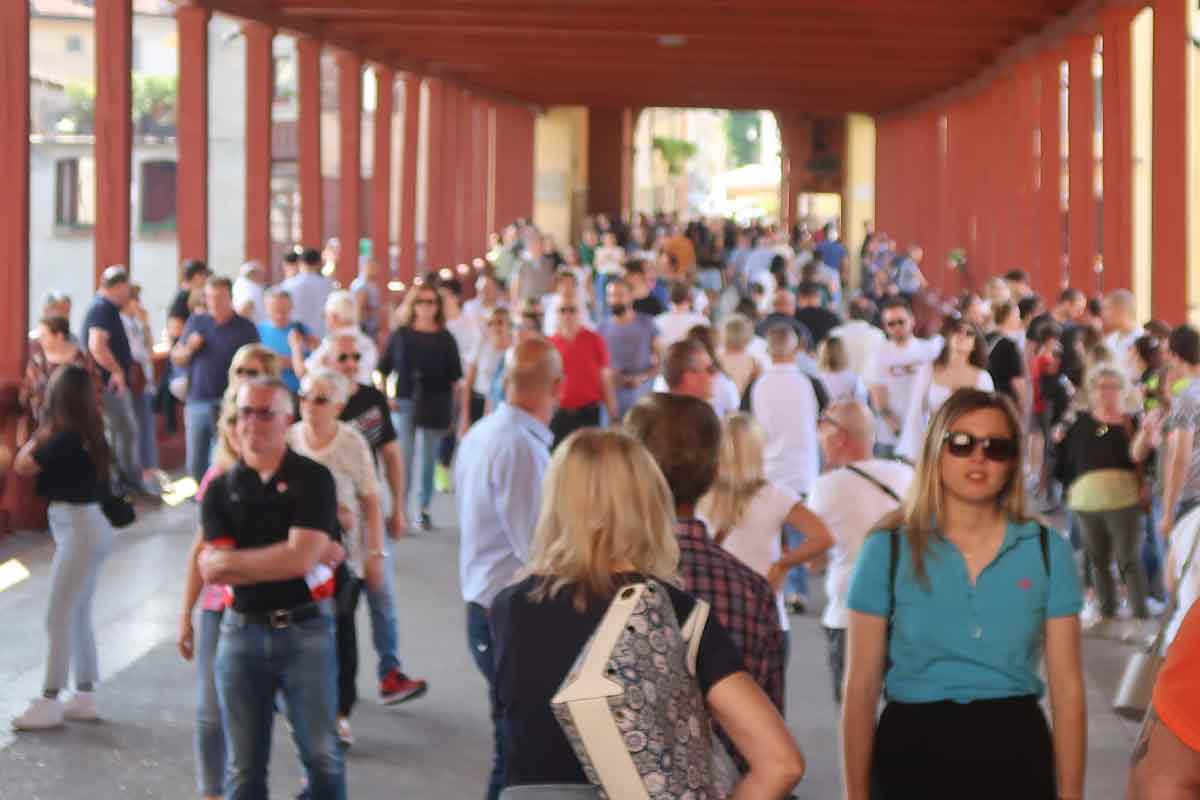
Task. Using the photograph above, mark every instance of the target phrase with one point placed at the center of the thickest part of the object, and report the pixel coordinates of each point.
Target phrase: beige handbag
(1136, 690)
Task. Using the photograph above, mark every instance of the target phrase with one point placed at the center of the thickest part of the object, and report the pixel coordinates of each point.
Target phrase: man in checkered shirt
(684, 436)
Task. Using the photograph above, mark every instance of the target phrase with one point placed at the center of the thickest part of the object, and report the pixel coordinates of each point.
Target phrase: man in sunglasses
(587, 376)
(891, 373)
(341, 316)
(367, 410)
(267, 523)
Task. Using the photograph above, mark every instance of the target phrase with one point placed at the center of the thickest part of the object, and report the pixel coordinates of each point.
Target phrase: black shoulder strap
(893, 568)
(883, 487)
(1044, 536)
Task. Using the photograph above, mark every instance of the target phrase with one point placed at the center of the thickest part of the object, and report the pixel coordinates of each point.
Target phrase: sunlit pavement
(438, 746)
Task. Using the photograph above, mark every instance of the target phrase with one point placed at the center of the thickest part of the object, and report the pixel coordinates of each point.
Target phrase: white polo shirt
(785, 405)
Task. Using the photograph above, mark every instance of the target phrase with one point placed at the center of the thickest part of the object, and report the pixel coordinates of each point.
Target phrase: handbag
(117, 509)
(631, 707)
(1135, 692)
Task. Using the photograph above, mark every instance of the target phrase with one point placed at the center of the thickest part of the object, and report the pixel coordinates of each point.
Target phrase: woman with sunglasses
(340, 447)
(962, 364)
(953, 601)
(422, 367)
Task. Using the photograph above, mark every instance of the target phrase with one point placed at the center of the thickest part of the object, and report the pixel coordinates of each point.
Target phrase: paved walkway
(435, 747)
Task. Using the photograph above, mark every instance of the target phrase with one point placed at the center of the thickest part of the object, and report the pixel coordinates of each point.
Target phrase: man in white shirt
(1120, 320)
(891, 373)
(860, 337)
(248, 291)
(487, 299)
(566, 290)
(309, 289)
(850, 499)
(674, 325)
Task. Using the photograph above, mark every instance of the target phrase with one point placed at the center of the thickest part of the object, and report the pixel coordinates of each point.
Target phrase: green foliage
(675, 152)
(154, 97)
(154, 105)
(80, 113)
(743, 133)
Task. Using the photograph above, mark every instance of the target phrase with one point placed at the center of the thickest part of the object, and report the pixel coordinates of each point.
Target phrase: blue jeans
(122, 424)
(210, 735)
(479, 641)
(253, 661)
(82, 540)
(797, 581)
(402, 419)
(382, 605)
(200, 417)
(143, 410)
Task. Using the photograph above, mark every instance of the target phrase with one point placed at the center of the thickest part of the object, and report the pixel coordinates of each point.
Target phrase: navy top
(951, 640)
(68, 473)
(208, 373)
(104, 314)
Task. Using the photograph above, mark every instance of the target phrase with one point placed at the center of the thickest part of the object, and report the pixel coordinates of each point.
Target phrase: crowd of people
(722, 410)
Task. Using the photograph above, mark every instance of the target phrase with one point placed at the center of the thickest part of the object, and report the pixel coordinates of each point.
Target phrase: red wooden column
(451, 174)
(606, 154)
(1025, 229)
(191, 190)
(381, 176)
(1048, 280)
(14, 200)
(408, 177)
(260, 94)
(1118, 148)
(629, 118)
(349, 68)
(462, 173)
(435, 203)
(473, 242)
(114, 132)
(479, 192)
(308, 129)
(1082, 211)
(1169, 203)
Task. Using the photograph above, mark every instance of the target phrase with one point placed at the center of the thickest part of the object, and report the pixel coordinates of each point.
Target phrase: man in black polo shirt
(268, 522)
(104, 336)
(367, 410)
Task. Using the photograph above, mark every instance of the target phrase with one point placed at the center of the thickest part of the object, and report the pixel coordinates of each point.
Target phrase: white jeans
(82, 538)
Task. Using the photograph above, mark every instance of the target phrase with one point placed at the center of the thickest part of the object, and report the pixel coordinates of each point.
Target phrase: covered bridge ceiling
(814, 55)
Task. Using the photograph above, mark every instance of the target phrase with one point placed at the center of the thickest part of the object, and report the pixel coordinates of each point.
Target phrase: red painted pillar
(1082, 211)
(1025, 229)
(191, 190)
(381, 175)
(260, 94)
(462, 169)
(435, 203)
(308, 129)
(1048, 281)
(114, 131)
(628, 126)
(473, 244)
(408, 177)
(452, 169)
(1118, 148)
(1169, 230)
(606, 155)
(14, 200)
(349, 68)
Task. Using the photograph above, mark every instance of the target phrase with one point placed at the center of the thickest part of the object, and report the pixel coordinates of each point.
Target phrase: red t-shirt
(1177, 692)
(583, 359)
(1043, 364)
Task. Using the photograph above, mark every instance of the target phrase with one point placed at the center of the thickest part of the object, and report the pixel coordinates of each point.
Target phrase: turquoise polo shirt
(954, 641)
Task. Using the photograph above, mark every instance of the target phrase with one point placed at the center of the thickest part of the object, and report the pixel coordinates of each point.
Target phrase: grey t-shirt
(630, 347)
(1185, 415)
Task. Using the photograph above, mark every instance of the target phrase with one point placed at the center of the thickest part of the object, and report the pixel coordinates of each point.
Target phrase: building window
(158, 195)
(74, 43)
(75, 192)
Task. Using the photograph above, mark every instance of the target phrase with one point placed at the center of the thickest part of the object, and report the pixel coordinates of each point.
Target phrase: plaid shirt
(742, 600)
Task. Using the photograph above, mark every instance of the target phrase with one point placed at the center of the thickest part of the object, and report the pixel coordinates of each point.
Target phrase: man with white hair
(1120, 320)
(248, 300)
(341, 316)
(784, 401)
(850, 498)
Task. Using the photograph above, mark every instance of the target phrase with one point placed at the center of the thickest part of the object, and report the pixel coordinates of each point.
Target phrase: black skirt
(980, 750)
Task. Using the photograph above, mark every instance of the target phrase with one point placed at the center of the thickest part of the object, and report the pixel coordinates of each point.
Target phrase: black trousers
(947, 751)
(568, 420)
(346, 638)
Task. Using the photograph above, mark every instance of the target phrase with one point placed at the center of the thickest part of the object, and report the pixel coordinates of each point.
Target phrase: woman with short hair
(737, 333)
(954, 600)
(607, 521)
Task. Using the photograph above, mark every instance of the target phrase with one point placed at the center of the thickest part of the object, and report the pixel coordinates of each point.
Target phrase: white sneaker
(344, 734)
(43, 713)
(1100, 628)
(81, 707)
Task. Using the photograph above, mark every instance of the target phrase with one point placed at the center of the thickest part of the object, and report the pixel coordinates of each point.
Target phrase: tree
(743, 132)
(675, 153)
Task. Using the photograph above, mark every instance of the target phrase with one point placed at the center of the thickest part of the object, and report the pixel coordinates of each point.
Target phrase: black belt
(280, 618)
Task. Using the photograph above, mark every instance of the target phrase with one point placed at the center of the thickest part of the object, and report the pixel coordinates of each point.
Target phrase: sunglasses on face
(261, 414)
(961, 445)
(425, 302)
(344, 357)
(246, 372)
(318, 399)
(567, 309)
(894, 323)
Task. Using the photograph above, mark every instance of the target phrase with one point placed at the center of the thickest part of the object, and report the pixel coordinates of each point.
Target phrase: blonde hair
(831, 355)
(740, 474)
(264, 355)
(605, 504)
(737, 333)
(225, 455)
(923, 505)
